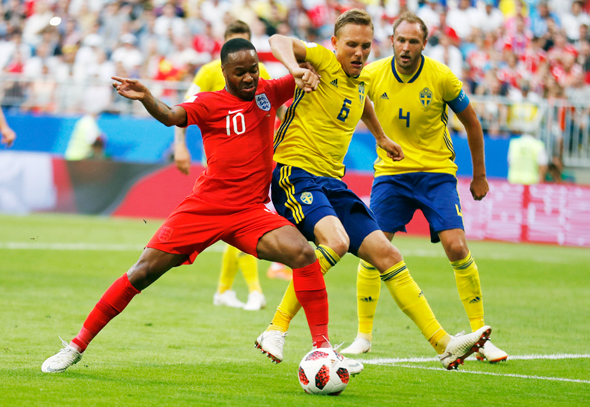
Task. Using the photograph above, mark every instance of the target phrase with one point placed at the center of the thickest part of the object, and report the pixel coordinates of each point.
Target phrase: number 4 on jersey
(406, 117)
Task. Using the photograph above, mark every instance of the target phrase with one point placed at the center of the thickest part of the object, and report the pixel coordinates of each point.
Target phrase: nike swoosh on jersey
(234, 111)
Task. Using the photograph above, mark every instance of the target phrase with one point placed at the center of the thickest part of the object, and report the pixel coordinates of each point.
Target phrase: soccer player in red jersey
(227, 202)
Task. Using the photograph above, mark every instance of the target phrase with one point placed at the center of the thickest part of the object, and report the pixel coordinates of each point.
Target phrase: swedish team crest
(307, 198)
(361, 92)
(425, 97)
(262, 102)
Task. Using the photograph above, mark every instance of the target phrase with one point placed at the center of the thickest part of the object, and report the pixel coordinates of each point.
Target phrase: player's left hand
(394, 150)
(479, 187)
(129, 88)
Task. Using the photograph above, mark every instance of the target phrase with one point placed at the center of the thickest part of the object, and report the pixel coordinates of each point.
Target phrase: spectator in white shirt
(429, 14)
(490, 18)
(571, 21)
(449, 55)
(128, 55)
(462, 19)
(169, 20)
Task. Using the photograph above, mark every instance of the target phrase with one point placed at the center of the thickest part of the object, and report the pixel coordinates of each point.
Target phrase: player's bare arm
(290, 52)
(479, 184)
(135, 90)
(394, 150)
(8, 135)
(182, 157)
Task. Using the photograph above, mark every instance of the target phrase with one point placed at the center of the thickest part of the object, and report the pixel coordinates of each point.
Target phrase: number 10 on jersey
(239, 127)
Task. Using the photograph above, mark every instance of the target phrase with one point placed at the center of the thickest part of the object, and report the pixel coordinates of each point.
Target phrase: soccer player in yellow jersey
(411, 93)
(307, 188)
(209, 79)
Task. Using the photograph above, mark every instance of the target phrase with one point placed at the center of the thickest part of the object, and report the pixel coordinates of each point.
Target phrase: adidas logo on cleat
(334, 82)
(384, 96)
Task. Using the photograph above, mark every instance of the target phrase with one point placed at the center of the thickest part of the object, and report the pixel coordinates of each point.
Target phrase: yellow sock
(229, 268)
(286, 311)
(289, 306)
(249, 266)
(412, 302)
(469, 287)
(368, 288)
(327, 257)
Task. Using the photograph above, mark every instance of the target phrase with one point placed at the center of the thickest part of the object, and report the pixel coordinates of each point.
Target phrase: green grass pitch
(172, 347)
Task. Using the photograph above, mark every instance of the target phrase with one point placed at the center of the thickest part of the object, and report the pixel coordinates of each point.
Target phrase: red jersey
(238, 142)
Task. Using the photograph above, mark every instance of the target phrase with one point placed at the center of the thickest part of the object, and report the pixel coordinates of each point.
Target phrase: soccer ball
(323, 371)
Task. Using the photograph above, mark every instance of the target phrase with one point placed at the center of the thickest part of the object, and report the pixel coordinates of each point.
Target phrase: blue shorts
(305, 199)
(395, 198)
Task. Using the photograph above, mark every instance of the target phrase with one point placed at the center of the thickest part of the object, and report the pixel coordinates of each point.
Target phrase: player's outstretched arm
(135, 90)
(8, 135)
(290, 51)
(394, 150)
(479, 184)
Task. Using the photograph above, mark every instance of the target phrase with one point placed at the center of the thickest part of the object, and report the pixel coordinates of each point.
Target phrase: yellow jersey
(209, 77)
(412, 110)
(318, 126)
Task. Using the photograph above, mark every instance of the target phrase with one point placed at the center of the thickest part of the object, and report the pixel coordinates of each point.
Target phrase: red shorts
(195, 225)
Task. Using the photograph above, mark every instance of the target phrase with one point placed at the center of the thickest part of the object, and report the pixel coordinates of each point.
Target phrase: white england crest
(262, 102)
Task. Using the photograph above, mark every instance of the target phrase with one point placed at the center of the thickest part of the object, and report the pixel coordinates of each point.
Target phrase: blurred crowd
(521, 49)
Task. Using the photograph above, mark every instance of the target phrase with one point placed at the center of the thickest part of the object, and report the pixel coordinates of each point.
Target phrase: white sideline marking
(520, 376)
(399, 362)
(218, 247)
(385, 361)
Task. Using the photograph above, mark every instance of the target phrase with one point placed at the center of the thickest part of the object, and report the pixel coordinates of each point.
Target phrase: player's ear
(334, 41)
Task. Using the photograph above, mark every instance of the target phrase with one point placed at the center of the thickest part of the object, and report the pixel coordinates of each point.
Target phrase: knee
(301, 255)
(339, 244)
(142, 274)
(457, 250)
(386, 257)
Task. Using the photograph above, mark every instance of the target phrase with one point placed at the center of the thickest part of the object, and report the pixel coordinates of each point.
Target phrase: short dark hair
(237, 27)
(353, 16)
(235, 45)
(412, 19)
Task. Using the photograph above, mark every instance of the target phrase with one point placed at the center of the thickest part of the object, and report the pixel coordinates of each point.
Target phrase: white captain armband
(460, 103)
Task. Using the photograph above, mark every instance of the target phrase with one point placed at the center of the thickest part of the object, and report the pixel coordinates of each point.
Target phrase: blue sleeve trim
(460, 103)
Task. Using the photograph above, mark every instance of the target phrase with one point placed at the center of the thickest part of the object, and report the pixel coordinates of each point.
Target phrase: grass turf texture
(171, 346)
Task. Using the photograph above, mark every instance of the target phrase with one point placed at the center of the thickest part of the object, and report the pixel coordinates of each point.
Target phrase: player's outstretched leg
(377, 250)
(334, 244)
(368, 289)
(469, 288)
(288, 246)
(151, 265)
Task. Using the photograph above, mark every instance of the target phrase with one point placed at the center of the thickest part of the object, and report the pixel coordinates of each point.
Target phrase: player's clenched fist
(305, 79)
(394, 150)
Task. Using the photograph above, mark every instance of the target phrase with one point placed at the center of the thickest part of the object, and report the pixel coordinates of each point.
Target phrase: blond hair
(353, 16)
